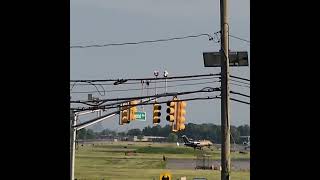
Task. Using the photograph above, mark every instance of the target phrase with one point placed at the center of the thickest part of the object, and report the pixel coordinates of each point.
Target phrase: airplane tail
(185, 139)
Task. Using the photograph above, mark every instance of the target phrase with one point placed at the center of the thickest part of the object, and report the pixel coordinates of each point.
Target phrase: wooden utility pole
(72, 143)
(225, 110)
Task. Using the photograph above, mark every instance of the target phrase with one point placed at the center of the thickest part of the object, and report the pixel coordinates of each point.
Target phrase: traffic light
(165, 176)
(124, 114)
(171, 110)
(128, 112)
(180, 117)
(156, 113)
(133, 110)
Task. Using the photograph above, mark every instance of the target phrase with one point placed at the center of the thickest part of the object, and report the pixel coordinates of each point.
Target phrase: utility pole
(225, 118)
(72, 142)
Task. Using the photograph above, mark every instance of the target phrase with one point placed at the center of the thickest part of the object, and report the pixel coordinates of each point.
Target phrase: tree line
(209, 131)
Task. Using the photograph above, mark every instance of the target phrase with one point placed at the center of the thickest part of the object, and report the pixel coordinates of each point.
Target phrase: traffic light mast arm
(93, 121)
(86, 112)
(96, 120)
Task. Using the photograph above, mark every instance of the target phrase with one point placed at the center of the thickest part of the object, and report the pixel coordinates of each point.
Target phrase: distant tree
(155, 130)
(147, 131)
(134, 132)
(140, 137)
(90, 134)
(121, 134)
(81, 133)
(244, 130)
(207, 131)
(172, 137)
(108, 132)
(165, 131)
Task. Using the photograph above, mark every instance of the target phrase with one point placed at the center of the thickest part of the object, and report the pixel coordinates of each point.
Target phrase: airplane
(196, 144)
(246, 142)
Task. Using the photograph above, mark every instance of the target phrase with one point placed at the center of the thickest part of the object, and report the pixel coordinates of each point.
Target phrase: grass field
(135, 161)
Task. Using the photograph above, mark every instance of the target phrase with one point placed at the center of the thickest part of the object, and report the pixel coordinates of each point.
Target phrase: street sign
(140, 116)
(213, 59)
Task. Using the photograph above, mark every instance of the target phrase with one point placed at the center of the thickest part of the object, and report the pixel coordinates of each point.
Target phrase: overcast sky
(117, 21)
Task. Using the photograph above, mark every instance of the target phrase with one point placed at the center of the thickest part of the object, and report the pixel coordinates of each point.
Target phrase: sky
(118, 21)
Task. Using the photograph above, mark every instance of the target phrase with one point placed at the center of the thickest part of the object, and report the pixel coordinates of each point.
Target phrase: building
(149, 139)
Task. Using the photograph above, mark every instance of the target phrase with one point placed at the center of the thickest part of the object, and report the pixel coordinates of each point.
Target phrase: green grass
(164, 150)
(109, 161)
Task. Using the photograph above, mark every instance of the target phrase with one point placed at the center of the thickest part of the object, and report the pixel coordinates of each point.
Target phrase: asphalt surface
(236, 165)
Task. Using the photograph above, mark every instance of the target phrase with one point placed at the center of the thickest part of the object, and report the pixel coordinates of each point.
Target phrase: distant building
(109, 137)
(149, 139)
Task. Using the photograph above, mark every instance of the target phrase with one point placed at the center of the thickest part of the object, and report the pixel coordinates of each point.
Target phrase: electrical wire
(73, 86)
(239, 85)
(232, 92)
(138, 89)
(240, 82)
(104, 91)
(239, 38)
(144, 79)
(141, 42)
(240, 78)
(233, 99)
(149, 103)
(174, 80)
(99, 118)
(206, 89)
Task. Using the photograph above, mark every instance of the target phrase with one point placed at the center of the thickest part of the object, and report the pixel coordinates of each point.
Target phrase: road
(236, 165)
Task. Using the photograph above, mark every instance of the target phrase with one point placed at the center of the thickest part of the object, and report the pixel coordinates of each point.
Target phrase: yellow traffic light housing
(181, 115)
(124, 114)
(165, 176)
(171, 110)
(156, 113)
(128, 112)
(133, 109)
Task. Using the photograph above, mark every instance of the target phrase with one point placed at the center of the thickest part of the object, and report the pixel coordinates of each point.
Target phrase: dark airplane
(196, 144)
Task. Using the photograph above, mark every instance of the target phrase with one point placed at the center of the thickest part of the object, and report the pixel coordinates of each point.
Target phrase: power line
(104, 107)
(232, 92)
(141, 42)
(206, 89)
(138, 89)
(113, 105)
(239, 101)
(240, 82)
(99, 118)
(104, 91)
(149, 103)
(150, 82)
(239, 38)
(239, 85)
(240, 78)
(144, 79)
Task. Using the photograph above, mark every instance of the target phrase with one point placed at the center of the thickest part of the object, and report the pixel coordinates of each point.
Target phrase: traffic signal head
(156, 113)
(133, 110)
(180, 117)
(124, 114)
(171, 110)
(165, 176)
